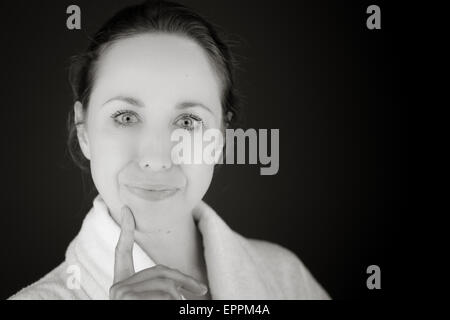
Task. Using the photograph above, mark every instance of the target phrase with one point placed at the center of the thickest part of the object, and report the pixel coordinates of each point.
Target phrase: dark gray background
(310, 68)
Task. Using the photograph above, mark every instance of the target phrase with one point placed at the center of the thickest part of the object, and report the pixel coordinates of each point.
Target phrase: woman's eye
(189, 122)
(125, 118)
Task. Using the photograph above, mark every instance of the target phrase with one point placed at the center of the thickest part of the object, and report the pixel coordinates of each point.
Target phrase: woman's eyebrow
(127, 99)
(189, 104)
(138, 103)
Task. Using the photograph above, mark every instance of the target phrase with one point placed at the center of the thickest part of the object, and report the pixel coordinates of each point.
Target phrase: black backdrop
(310, 68)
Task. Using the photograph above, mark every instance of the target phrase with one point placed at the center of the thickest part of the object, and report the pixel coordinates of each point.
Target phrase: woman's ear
(81, 129)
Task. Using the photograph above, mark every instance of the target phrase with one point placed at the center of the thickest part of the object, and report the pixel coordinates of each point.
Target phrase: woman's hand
(155, 283)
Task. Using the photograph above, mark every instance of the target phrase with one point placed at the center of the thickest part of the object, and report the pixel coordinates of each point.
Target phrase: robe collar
(232, 270)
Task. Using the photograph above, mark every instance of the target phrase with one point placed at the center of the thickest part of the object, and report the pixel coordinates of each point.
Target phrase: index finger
(123, 263)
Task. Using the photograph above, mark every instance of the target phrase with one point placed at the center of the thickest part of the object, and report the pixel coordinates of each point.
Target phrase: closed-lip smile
(152, 192)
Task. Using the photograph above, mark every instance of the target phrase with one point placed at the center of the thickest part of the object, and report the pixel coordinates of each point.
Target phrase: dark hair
(148, 17)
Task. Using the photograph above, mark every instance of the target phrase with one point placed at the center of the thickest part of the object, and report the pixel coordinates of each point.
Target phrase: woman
(152, 69)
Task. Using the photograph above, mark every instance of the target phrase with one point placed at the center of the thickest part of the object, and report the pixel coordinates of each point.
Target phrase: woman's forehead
(158, 65)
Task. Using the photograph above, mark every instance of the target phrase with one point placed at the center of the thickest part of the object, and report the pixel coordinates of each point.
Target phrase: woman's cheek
(199, 178)
(109, 155)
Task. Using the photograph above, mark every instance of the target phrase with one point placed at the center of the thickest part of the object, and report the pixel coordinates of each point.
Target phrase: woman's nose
(154, 164)
(155, 152)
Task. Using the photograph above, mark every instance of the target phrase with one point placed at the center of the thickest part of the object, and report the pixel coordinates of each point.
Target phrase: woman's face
(145, 87)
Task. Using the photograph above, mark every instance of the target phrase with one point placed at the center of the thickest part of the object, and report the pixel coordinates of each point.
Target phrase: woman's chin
(147, 208)
(152, 220)
(144, 210)
(149, 212)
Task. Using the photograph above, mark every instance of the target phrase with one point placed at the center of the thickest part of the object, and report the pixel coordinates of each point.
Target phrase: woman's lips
(153, 193)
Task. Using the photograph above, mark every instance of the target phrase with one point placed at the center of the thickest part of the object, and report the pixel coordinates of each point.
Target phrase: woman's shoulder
(55, 285)
(287, 269)
(271, 254)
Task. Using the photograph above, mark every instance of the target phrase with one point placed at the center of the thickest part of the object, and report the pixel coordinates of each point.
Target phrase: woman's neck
(176, 245)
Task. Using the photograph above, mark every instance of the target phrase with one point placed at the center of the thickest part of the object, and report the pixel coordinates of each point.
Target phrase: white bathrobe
(238, 268)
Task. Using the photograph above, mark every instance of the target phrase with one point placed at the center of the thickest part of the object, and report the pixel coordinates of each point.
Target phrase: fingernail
(204, 288)
(127, 218)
